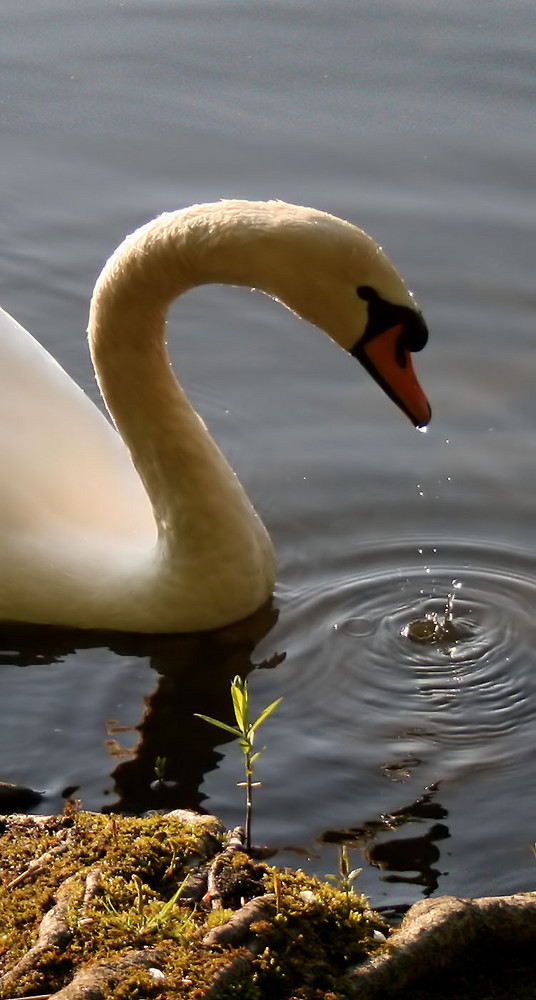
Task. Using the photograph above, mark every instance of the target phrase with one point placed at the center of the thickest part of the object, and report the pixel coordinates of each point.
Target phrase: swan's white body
(149, 529)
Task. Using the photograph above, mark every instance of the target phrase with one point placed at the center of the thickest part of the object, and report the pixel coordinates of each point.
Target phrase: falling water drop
(449, 608)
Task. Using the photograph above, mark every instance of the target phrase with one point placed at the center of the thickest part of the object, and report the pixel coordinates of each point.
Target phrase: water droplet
(423, 430)
(449, 609)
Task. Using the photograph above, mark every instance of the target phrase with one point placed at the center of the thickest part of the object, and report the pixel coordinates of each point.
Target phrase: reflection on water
(194, 674)
(415, 855)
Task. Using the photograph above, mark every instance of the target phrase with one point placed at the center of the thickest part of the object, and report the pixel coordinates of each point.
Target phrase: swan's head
(322, 268)
(338, 278)
(392, 334)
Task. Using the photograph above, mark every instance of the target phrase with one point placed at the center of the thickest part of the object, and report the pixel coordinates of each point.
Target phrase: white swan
(149, 529)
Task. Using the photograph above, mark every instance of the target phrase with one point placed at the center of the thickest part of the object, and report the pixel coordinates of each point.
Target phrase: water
(416, 122)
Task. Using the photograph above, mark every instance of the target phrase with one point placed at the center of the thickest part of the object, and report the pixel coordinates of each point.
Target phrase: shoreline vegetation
(95, 905)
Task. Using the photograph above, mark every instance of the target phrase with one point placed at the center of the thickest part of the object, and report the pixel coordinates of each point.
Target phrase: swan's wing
(61, 462)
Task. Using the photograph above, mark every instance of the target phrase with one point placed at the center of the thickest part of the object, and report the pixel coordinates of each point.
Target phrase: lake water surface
(416, 121)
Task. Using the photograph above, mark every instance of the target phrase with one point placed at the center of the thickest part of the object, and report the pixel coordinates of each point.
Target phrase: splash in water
(438, 629)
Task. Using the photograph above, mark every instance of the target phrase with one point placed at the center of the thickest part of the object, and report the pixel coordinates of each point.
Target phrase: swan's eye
(384, 315)
(367, 293)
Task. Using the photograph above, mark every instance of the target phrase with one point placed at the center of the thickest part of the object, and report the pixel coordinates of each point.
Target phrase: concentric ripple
(438, 639)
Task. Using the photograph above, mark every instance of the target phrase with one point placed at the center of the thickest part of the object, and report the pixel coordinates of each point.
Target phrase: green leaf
(264, 715)
(239, 694)
(216, 722)
(256, 755)
(344, 862)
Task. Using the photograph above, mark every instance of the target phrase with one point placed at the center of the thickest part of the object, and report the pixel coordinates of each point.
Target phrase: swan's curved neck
(195, 495)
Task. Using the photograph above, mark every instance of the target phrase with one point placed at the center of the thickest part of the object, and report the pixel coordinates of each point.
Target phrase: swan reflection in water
(194, 674)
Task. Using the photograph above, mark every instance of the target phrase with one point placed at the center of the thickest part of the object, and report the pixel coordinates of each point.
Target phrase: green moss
(136, 985)
(315, 936)
(142, 862)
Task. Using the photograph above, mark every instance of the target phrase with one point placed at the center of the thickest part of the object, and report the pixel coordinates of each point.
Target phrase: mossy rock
(121, 907)
(95, 906)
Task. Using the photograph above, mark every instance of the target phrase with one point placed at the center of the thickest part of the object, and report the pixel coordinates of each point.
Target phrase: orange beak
(389, 362)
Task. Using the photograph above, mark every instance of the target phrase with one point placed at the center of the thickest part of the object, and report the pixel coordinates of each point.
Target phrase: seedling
(345, 877)
(160, 768)
(245, 731)
(160, 784)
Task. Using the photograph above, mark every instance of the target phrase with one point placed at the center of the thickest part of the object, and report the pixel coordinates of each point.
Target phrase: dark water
(415, 121)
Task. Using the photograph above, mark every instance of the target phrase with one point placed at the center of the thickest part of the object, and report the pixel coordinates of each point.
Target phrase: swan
(143, 526)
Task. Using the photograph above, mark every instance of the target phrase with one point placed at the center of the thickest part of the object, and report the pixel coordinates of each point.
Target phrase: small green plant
(277, 892)
(143, 917)
(160, 768)
(245, 731)
(345, 877)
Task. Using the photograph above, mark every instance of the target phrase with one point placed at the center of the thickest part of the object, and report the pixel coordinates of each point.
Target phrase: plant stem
(249, 799)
